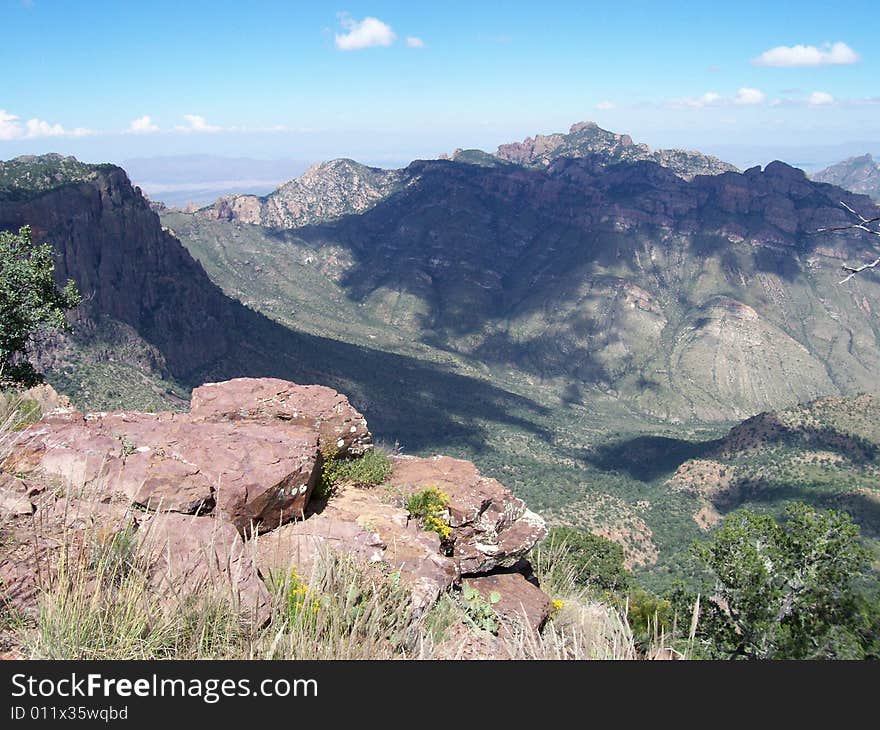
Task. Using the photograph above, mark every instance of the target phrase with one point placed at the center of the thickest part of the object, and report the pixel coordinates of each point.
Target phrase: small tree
(594, 561)
(29, 301)
(783, 591)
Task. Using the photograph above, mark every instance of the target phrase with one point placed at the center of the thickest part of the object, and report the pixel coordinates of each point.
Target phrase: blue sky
(390, 81)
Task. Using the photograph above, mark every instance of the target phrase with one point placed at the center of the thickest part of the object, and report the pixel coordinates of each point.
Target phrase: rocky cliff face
(125, 265)
(324, 192)
(587, 139)
(858, 174)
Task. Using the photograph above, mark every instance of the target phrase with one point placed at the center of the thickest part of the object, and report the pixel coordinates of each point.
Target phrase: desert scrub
(478, 611)
(369, 470)
(429, 507)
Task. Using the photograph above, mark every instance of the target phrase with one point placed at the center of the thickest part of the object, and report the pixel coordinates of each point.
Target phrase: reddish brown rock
(357, 523)
(202, 556)
(14, 498)
(342, 429)
(255, 474)
(490, 526)
(520, 605)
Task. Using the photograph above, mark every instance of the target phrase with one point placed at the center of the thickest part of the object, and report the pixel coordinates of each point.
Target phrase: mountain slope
(826, 452)
(859, 174)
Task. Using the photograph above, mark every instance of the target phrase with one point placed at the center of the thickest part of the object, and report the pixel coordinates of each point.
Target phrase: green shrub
(369, 470)
(478, 610)
(784, 590)
(429, 508)
(594, 562)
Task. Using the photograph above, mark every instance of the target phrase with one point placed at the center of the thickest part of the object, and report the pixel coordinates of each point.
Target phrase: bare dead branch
(864, 224)
(852, 272)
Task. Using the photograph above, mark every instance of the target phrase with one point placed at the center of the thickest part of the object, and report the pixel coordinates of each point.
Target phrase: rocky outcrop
(357, 522)
(587, 139)
(324, 192)
(219, 500)
(343, 431)
(255, 475)
(519, 604)
(490, 526)
(202, 555)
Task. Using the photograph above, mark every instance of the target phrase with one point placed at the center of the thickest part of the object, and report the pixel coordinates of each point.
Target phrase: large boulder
(521, 605)
(202, 556)
(343, 430)
(357, 523)
(256, 475)
(491, 528)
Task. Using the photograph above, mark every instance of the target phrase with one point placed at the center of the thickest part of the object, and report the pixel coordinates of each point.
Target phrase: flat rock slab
(356, 522)
(202, 556)
(491, 527)
(343, 430)
(255, 474)
(522, 605)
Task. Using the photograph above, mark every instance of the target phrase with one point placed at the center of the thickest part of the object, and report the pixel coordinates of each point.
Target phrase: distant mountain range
(860, 174)
(340, 187)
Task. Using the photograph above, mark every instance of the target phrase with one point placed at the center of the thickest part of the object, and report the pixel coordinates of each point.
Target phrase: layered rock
(358, 523)
(202, 556)
(257, 475)
(490, 526)
(520, 604)
(343, 431)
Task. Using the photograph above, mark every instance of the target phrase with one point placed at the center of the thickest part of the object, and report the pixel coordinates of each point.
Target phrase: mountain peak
(587, 139)
(859, 174)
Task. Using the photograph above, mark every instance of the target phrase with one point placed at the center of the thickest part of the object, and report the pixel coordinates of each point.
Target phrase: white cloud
(413, 41)
(746, 95)
(710, 98)
(606, 105)
(820, 98)
(829, 54)
(365, 33)
(11, 127)
(143, 125)
(196, 123)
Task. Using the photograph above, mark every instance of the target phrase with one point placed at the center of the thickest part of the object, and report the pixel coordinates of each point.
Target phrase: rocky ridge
(858, 174)
(330, 190)
(222, 495)
(324, 192)
(587, 139)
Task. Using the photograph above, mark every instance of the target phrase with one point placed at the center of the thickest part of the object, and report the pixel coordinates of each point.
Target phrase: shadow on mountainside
(416, 403)
(647, 458)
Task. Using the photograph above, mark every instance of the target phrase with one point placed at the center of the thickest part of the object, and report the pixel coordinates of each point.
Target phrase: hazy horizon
(386, 82)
